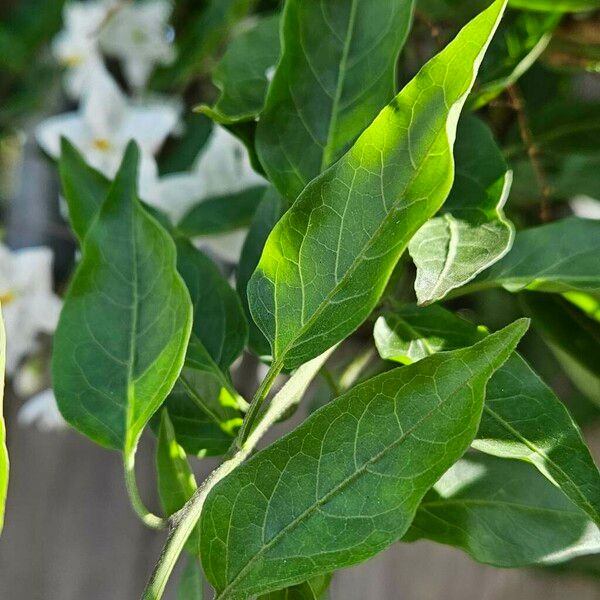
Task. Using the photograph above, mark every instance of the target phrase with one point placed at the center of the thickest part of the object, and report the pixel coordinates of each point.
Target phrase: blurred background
(70, 532)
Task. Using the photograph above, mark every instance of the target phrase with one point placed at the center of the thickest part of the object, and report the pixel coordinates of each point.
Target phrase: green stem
(148, 518)
(257, 402)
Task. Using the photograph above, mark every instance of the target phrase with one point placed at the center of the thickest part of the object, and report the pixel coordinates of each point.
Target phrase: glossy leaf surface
(337, 71)
(327, 261)
(341, 487)
(123, 331)
(472, 233)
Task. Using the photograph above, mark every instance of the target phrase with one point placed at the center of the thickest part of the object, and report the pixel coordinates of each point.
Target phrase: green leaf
(328, 260)
(84, 188)
(472, 233)
(572, 336)
(4, 462)
(313, 589)
(559, 257)
(336, 72)
(341, 487)
(203, 406)
(504, 514)
(242, 73)
(219, 320)
(269, 211)
(222, 214)
(124, 327)
(190, 584)
(557, 5)
(522, 418)
(521, 39)
(176, 482)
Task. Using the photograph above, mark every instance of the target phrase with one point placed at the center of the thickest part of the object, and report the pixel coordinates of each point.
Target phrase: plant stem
(148, 518)
(257, 403)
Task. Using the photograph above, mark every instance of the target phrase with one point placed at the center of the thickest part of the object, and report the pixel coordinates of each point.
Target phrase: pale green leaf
(313, 589)
(504, 514)
(471, 234)
(522, 418)
(559, 257)
(327, 261)
(4, 462)
(341, 487)
(557, 5)
(242, 74)
(337, 71)
(124, 327)
(190, 584)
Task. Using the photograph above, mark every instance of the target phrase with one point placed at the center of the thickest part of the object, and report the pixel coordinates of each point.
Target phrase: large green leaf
(190, 584)
(472, 233)
(176, 482)
(504, 514)
(521, 39)
(84, 188)
(269, 211)
(329, 258)
(342, 486)
(313, 589)
(219, 320)
(125, 324)
(557, 5)
(4, 463)
(559, 257)
(203, 405)
(572, 336)
(522, 418)
(242, 75)
(336, 72)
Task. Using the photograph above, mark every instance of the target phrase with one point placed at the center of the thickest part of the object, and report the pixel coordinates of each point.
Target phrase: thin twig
(518, 105)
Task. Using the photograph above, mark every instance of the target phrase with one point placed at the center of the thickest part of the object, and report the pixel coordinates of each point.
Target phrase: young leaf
(242, 75)
(504, 514)
(219, 321)
(472, 233)
(329, 258)
(203, 406)
(4, 463)
(522, 418)
(313, 589)
(84, 188)
(270, 210)
(557, 5)
(176, 482)
(342, 486)
(572, 336)
(222, 214)
(336, 72)
(124, 327)
(559, 257)
(190, 584)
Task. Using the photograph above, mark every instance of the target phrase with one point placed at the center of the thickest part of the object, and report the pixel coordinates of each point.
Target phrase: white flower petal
(69, 125)
(226, 246)
(42, 411)
(585, 207)
(151, 124)
(176, 194)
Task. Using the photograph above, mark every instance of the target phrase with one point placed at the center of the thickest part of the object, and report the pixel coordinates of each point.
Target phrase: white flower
(28, 303)
(138, 34)
(585, 207)
(41, 410)
(105, 124)
(76, 46)
(223, 167)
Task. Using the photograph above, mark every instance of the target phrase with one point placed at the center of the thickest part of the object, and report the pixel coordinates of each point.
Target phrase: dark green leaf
(329, 258)
(190, 584)
(84, 188)
(522, 418)
(504, 514)
(269, 211)
(242, 74)
(124, 327)
(222, 214)
(342, 487)
(472, 233)
(313, 589)
(559, 257)
(219, 321)
(336, 73)
(572, 336)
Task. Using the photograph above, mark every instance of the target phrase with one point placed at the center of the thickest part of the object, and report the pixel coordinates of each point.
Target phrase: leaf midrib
(340, 486)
